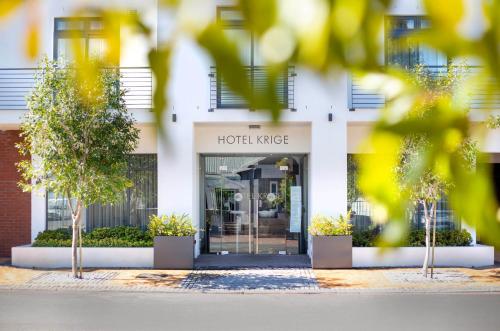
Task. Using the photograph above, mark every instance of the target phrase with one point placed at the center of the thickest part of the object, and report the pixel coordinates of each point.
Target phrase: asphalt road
(78, 310)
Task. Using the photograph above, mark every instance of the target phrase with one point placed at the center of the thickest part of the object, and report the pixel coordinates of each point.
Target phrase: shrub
(171, 225)
(59, 234)
(121, 236)
(416, 238)
(120, 232)
(364, 238)
(328, 226)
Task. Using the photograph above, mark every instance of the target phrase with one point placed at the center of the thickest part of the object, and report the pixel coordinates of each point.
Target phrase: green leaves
(171, 225)
(328, 226)
(80, 146)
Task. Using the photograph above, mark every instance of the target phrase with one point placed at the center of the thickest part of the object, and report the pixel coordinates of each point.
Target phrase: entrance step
(242, 261)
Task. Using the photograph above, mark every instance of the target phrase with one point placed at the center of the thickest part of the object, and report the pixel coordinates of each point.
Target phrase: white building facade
(250, 186)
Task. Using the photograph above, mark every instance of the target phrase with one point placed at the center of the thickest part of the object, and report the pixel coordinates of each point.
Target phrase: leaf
(259, 15)
(7, 7)
(32, 41)
(445, 15)
(159, 60)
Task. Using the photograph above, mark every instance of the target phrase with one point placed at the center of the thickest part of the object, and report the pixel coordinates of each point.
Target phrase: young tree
(431, 184)
(80, 135)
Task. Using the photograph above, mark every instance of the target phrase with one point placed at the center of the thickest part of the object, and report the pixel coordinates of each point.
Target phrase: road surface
(79, 310)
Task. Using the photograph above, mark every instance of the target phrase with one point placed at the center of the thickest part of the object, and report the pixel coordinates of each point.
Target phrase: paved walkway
(301, 279)
(252, 280)
(239, 261)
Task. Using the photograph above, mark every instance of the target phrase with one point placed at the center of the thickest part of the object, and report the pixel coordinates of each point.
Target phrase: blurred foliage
(326, 36)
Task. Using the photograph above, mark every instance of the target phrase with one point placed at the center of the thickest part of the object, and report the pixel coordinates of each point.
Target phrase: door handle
(249, 226)
(257, 226)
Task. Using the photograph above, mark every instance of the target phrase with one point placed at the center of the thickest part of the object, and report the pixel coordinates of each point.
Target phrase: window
(139, 201)
(86, 32)
(401, 47)
(58, 212)
(232, 22)
(361, 212)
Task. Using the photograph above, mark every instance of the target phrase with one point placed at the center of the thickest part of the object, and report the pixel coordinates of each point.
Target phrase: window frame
(387, 35)
(239, 24)
(85, 33)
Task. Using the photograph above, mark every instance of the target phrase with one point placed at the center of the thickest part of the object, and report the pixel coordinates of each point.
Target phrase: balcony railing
(361, 97)
(17, 83)
(222, 97)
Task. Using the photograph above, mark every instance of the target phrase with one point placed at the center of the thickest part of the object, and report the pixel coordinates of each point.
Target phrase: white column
(176, 168)
(38, 213)
(328, 168)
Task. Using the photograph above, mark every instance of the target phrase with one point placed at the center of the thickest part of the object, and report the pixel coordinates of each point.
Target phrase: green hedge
(121, 236)
(416, 238)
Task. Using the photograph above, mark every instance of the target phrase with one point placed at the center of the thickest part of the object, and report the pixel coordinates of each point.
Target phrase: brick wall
(15, 206)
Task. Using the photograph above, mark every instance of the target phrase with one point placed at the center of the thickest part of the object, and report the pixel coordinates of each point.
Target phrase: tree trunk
(80, 243)
(74, 240)
(74, 246)
(434, 216)
(427, 217)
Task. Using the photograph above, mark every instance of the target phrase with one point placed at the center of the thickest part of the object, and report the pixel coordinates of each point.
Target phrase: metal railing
(361, 97)
(222, 97)
(17, 83)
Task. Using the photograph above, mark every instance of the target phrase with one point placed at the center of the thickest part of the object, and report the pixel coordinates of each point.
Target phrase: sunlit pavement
(251, 280)
(98, 310)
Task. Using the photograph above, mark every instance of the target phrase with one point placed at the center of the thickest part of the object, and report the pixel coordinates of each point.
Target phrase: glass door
(253, 204)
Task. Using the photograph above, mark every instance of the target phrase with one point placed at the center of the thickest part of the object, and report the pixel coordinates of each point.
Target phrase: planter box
(173, 252)
(93, 257)
(469, 256)
(331, 252)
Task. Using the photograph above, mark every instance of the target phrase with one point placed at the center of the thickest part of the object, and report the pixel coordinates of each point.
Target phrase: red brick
(15, 206)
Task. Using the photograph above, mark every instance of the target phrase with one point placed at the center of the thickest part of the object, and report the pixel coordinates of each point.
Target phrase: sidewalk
(293, 280)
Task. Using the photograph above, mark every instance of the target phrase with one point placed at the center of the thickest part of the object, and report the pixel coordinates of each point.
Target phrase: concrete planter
(93, 257)
(174, 252)
(331, 252)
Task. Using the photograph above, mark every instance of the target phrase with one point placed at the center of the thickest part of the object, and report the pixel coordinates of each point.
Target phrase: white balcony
(17, 83)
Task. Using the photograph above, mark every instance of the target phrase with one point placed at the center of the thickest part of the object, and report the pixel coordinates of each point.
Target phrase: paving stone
(413, 276)
(251, 279)
(90, 279)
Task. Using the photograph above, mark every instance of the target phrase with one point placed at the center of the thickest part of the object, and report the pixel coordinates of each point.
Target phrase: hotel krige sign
(252, 140)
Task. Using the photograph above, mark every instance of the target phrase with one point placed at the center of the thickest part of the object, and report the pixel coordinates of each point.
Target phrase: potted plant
(331, 242)
(173, 237)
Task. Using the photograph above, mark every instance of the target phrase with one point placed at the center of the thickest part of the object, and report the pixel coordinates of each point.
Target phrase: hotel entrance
(253, 204)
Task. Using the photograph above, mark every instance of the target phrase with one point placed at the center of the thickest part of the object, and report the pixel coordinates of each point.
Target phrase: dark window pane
(402, 49)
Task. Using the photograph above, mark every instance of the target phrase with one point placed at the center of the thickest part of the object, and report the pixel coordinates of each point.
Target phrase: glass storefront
(253, 204)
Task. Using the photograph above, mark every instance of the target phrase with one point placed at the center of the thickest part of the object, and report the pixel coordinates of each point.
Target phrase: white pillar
(328, 168)
(38, 213)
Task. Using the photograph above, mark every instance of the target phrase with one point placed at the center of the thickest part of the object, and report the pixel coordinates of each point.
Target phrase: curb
(147, 289)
